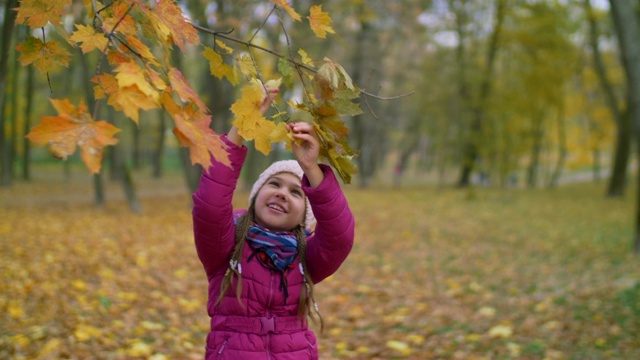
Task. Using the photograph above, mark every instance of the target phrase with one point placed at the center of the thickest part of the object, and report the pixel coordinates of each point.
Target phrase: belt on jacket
(258, 325)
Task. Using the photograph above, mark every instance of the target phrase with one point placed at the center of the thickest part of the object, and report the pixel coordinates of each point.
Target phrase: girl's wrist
(314, 174)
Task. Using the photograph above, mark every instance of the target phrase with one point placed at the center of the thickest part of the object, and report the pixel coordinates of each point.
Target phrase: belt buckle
(268, 325)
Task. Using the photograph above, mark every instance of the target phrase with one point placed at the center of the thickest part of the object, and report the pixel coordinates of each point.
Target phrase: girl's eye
(274, 183)
(297, 193)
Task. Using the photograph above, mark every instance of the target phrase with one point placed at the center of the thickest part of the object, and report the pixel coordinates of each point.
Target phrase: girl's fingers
(301, 127)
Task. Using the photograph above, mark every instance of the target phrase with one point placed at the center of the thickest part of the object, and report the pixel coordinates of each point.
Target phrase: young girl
(262, 263)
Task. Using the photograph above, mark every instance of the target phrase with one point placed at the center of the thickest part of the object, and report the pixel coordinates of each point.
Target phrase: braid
(242, 229)
(306, 292)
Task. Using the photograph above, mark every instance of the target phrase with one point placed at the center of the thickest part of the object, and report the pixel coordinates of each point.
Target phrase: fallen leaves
(431, 276)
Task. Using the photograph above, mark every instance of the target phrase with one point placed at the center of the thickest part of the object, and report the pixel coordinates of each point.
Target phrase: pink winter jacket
(265, 327)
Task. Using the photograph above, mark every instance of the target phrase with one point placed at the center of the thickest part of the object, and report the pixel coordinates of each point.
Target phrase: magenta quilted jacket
(266, 327)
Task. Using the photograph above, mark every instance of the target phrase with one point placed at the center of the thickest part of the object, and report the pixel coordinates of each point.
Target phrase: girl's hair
(307, 305)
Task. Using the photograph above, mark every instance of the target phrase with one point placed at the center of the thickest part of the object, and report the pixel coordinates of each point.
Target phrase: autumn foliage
(135, 74)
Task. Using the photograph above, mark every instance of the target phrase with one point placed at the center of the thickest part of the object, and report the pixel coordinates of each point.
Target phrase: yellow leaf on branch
(44, 56)
(285, 5)
(320, 22)
(250, 122)
(218, 67)
(38, 13)
(89, 38)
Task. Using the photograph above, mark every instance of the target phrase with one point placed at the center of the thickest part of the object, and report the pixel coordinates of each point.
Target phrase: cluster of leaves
(539, 275)
(139, 76)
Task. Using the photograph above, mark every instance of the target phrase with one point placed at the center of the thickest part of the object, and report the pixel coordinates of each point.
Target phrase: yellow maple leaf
(129, 73)
(38, 13)
(218, 67)
(166, 17)
(279, 133)
(89, 38)
(320, 22)
(305, 58)
(130, 100)
(250, 122)
(224, 46)
(247, 67)
(42, 55)
(285, 5)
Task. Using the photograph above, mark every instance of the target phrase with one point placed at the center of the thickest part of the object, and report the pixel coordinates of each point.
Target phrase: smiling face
(280, 203)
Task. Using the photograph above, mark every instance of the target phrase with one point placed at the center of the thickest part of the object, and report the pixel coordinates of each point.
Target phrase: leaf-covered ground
(436, 273)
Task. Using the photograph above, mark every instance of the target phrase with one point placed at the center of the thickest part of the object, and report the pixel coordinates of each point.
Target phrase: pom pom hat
(288, 166)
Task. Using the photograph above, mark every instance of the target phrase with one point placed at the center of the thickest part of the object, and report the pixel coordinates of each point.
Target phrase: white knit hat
(289, 166)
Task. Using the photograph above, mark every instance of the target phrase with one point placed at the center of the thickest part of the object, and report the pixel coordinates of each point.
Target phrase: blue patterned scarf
(276, 251)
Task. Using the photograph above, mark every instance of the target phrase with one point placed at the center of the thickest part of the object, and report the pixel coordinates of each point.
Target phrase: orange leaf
(285, 5)
(38, 13)
(320, 22)
(184, 90)
(119, 20)
(74, 127)
(167, 18)
(42, 56)
(107, 85)
(193, 131)
(89, 38)
(142, 49)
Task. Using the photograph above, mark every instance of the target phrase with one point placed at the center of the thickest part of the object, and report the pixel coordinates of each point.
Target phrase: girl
(262, 263)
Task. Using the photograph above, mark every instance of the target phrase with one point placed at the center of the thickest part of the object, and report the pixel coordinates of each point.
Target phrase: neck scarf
(276, 251)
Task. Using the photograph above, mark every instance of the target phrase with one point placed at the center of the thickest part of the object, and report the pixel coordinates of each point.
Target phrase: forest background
(495, 141)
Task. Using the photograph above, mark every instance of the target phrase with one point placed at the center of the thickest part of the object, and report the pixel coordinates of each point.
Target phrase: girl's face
(280, 203)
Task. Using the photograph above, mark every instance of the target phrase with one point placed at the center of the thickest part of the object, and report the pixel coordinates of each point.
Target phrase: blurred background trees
(503, 93)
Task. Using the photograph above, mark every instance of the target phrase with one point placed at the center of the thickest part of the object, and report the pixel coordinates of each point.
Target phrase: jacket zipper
(224, 345)
(269, 299)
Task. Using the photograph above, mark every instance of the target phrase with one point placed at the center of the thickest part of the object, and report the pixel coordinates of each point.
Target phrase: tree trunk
(7, 37)
(26, 162)
(536, 148)
(471, 149)
(14, 144)
(191, 172)
(618, 178)
(136, 153)
(98, 190)
(366, 127)
(626, 22)
(562, 150)
(159, 147)
(617, 181)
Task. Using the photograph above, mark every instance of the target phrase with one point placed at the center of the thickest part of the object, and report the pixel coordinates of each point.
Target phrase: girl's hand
(306, 151)
(267, 99)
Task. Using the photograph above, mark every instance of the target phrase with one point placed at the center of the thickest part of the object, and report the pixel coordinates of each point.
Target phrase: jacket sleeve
(332, 240)
(213, 227)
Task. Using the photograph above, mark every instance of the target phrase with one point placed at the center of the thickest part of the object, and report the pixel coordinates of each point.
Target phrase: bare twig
(246, 43)
(386, 97)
